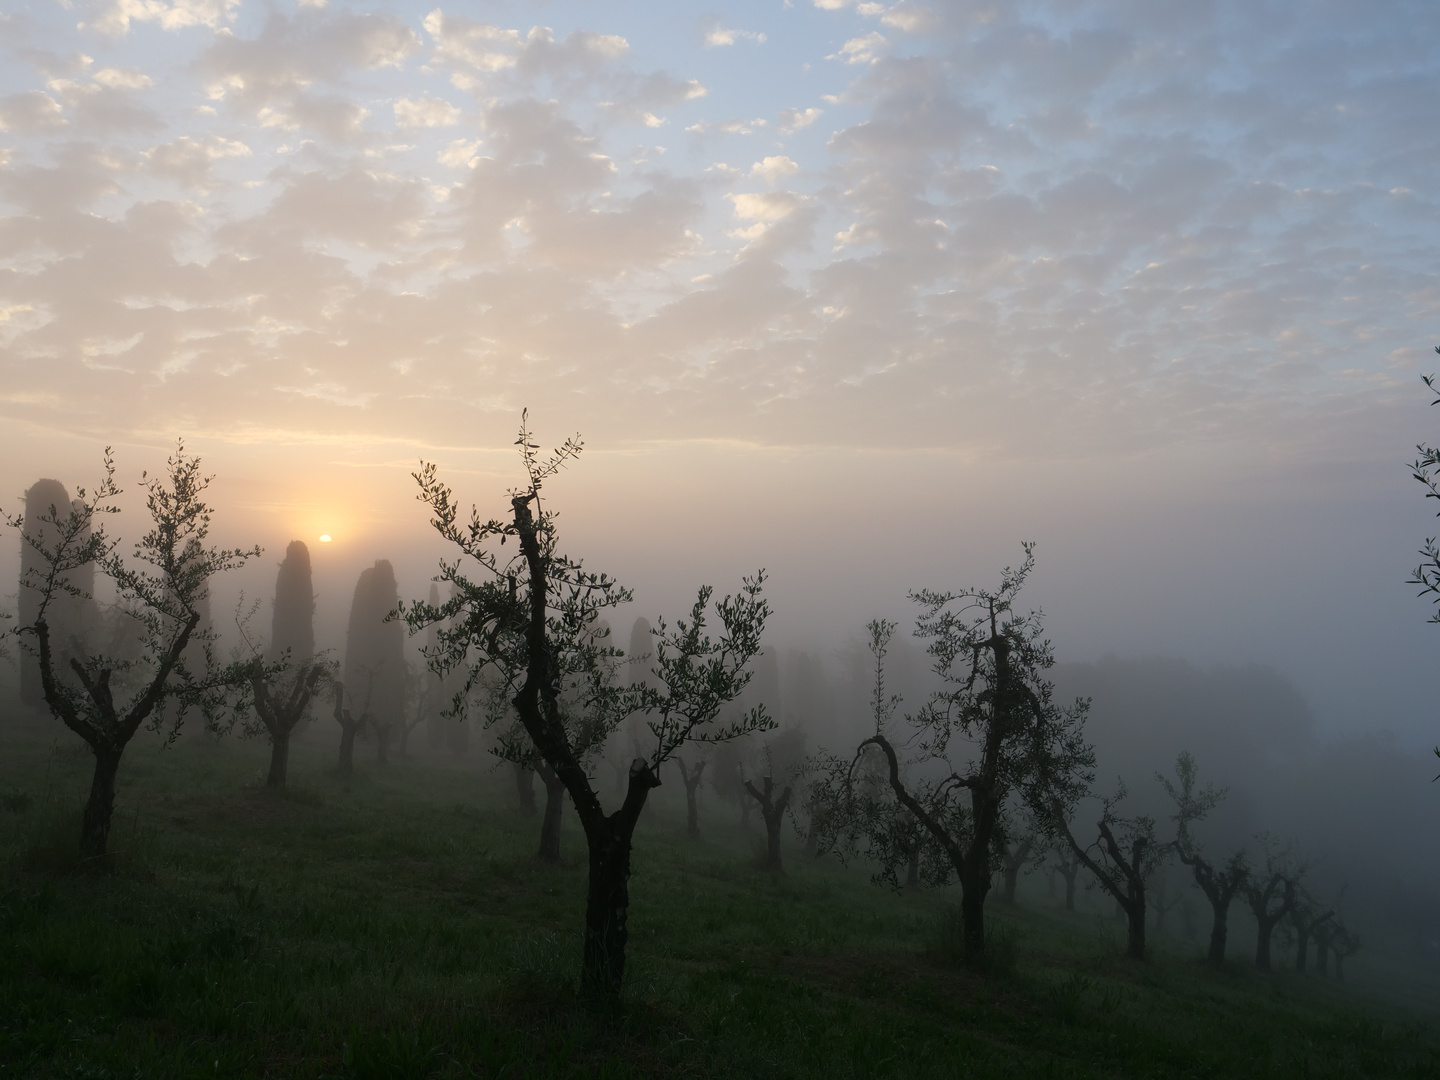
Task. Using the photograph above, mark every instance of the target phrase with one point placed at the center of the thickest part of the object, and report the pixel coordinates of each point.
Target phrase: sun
(325, 538)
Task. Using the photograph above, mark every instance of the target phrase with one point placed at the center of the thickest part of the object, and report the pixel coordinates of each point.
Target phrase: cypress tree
(375, 655)
(292, 626)
(70, 617)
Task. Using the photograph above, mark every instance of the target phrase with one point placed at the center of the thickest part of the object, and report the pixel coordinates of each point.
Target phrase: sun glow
(325, 538)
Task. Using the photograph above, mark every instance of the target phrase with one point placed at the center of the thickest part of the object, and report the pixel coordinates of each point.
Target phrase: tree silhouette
(71, 612)
(691, 779)
(529, 614)
(773, 805)
(1271, 894)
(1220, 883)
(1122, 857)
(283, 685)
(991, 732)
(375, 668)
(103, 698)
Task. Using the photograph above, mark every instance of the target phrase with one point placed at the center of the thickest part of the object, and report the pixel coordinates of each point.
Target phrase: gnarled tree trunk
(1266, 917)
(772, 809)
(100, 807)
(607, 900)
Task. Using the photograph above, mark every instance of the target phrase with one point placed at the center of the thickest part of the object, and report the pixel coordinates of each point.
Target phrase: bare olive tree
(1272, 894)
(532, 607)
(1016, 853)
(107, 699)
(1064, 863)
(284, 681)
(1308, 919)
(1220, 882)
(773, 805)
(691, 778)
(991, 732)
(1123, 856)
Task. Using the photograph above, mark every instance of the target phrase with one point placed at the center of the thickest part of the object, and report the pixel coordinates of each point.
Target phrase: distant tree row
(985, 777)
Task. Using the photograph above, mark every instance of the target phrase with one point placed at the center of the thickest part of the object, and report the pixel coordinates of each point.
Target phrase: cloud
(862, 50)
(764, 206)
(30, 112)
(122, 79)
(460, 152)
(462, 42)
(190, 162)
(726, 127)
(290, 55)
(365, 208)
(714, 35)
(332, 118)
(1177, 227)
(425, 112)
(792, 120)
(116, 16)
(773, 169)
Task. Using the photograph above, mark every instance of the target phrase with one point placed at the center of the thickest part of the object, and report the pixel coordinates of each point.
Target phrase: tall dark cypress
(292, 626)
(70, 618)
(375, 656)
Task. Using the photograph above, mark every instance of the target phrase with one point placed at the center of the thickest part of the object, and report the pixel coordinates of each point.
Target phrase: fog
(865, 295)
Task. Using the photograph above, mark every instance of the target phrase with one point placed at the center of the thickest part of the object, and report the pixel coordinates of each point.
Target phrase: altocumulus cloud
(1123, 224)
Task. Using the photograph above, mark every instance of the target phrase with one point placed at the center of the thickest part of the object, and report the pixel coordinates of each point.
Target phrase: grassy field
(397, 926)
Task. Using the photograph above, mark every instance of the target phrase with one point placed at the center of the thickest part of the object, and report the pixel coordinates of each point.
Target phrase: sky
(864, 293)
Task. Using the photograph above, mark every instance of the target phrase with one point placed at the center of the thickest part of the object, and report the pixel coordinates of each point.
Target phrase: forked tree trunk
(772, 809)
(1266, 918)
(100, 808)
(1070, 880)
(281, 714)
(554, 811)
(607, 900)
(1220, 888)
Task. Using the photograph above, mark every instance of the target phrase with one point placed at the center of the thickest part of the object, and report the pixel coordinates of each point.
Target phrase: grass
(398, 927)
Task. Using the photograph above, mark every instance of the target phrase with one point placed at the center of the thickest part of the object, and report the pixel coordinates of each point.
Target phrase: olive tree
(991, 732)
(1272, 894)
(1123, 856)
(106, 699)
(1220, 882)
(524, 615)
(285, 680)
